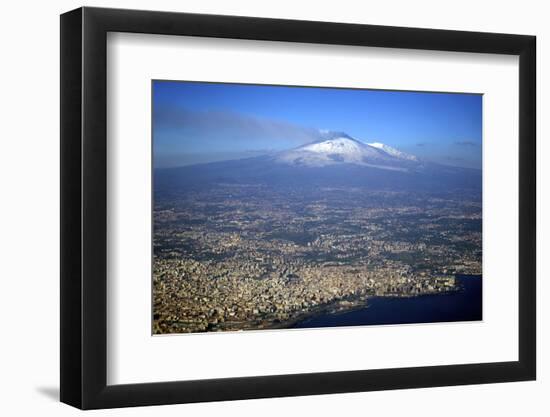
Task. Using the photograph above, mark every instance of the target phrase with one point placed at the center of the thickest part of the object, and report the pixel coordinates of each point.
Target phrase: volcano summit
(343, 149)
(336, 159)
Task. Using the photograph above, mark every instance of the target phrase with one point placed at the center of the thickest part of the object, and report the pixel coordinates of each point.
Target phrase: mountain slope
(337, 160)
(342, 150)
(393, 152)
(346, 150)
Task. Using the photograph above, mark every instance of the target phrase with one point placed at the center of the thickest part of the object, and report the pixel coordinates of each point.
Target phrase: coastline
(366, 304)
(345, 307)
(331, 308)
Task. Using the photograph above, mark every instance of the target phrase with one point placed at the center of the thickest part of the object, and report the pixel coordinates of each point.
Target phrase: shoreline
(335, 308)
(365, 304)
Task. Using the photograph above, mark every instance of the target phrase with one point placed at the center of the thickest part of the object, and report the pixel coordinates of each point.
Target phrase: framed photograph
(257, 208)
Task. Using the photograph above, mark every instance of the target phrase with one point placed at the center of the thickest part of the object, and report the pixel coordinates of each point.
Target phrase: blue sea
(463, 305)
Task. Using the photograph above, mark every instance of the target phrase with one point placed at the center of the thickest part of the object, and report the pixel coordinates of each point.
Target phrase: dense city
(249, 257)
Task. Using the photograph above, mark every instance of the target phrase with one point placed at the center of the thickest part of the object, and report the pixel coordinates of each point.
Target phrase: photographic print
(290, 207)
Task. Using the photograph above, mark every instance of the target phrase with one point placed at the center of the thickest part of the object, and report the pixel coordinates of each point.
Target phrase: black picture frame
(84, 207)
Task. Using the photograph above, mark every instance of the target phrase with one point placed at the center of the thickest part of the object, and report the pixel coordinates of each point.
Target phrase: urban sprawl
(238, 257)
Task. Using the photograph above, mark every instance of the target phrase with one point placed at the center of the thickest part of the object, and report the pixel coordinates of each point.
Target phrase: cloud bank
(231, 125)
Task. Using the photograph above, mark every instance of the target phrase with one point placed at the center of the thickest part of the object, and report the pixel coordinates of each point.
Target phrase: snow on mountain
(393, 152)
(334, 160)
(340, 148)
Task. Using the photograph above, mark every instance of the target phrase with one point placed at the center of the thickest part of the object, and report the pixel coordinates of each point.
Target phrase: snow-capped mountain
(335, 160)
(393, 152)
(343, 149)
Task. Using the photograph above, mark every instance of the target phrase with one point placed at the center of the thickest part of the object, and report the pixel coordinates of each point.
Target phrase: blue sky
(197, 122)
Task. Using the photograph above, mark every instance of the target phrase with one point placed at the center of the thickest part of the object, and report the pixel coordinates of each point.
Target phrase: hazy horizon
(195, 122)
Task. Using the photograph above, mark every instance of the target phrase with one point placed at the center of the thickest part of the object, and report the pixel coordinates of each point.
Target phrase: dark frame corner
(83, 207)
